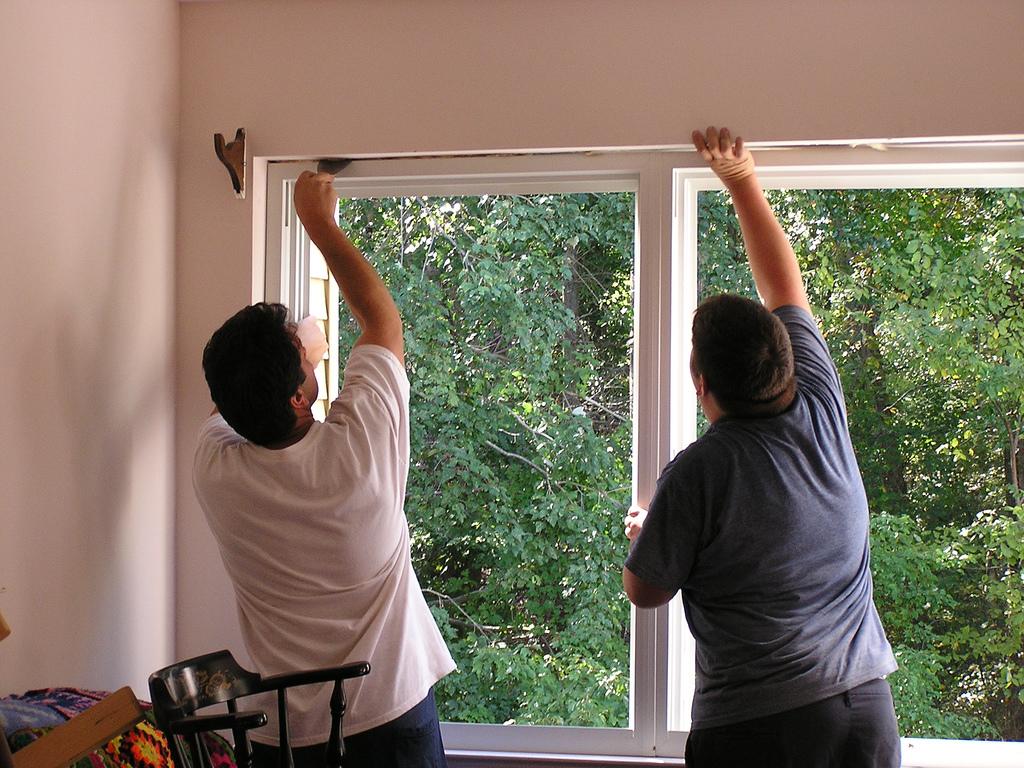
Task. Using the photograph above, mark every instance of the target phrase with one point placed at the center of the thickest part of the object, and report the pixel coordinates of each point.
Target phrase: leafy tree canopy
(519, 315)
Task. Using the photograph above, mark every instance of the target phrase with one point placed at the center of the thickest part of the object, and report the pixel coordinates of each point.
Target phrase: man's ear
(298, 400)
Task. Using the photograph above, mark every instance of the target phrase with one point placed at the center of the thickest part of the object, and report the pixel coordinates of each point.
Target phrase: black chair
(179, 690)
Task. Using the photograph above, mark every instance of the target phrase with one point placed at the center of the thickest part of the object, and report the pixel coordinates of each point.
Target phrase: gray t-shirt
(762, 523)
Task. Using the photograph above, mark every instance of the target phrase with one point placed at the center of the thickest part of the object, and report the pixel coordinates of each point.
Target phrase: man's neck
(303, 421)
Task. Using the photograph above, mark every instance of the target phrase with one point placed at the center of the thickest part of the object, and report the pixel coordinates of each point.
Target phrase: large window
(914, 272)
(551, 297)
(519, 316)
(520, 281)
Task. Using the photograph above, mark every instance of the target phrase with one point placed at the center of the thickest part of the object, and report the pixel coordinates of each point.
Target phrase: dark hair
(253, 368)
(744, 353)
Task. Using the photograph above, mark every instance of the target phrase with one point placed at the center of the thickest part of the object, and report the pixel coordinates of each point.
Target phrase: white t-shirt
(315, 540)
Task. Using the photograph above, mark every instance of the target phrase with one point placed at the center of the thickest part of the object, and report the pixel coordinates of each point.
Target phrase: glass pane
(919, 294)
(519, 319)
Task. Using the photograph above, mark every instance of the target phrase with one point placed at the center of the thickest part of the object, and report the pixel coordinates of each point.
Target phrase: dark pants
(412, 740)
(856, 729)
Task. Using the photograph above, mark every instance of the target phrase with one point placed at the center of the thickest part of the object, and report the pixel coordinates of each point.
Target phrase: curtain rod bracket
(232, 155)
(332, 165)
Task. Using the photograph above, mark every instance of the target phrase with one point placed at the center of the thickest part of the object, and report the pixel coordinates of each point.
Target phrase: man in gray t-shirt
(762, 524)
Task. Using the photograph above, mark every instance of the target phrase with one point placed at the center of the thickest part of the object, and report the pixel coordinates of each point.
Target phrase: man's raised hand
(315, 200)
(728, 159)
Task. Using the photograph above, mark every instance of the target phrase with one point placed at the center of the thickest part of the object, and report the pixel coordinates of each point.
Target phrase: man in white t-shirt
(309, 516)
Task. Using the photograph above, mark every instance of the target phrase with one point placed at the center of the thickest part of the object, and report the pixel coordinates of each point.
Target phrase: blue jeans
(855, 729)
(412, 740)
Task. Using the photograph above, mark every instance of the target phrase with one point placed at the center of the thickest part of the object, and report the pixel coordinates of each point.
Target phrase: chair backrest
(179, 690)
(201, 682)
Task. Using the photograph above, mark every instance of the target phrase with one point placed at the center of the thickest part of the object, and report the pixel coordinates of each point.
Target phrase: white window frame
(877, 166)
(666, 183)
(649, 175)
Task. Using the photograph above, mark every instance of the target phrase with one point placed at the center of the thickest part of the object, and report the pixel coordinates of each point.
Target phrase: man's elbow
(641, 594)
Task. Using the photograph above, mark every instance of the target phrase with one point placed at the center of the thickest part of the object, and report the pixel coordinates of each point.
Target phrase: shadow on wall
(90, 486)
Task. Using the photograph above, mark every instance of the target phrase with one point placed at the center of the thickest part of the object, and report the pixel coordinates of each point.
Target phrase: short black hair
(744, 353)
(253, 368)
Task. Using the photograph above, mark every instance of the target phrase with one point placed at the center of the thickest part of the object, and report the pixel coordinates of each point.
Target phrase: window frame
(916, 166)
(666, 183)
(649, 176)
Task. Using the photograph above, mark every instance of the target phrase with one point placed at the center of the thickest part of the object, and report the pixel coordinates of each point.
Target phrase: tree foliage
(519, 316)
(920, 295)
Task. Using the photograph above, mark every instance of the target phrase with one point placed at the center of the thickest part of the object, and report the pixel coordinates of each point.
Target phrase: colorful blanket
(28, 716)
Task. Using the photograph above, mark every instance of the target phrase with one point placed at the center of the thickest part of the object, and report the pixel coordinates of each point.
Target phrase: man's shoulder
(374, 360)
(217, 430)
(804, 331)
(216, 442)
(810, 350)
(375, 380)
(375, 352)
(797, 317)
(691, 463)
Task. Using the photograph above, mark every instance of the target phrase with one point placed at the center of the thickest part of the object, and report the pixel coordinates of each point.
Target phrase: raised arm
(772, 261)
(361, 287)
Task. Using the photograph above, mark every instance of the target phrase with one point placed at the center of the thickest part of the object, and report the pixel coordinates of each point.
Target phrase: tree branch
(604, 409)
(511, 455)
(443, 597)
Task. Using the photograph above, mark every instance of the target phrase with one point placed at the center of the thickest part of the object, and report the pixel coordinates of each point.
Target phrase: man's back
(763, 525)
(315, 540)
(769, 527)
(302, 510)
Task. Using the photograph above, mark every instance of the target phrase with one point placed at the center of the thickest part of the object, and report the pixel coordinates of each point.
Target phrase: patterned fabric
(142, 746)
(49, 706)
(26, 736)
(15, 715)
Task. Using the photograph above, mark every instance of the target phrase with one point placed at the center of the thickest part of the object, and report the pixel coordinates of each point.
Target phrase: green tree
(519, 318)
(519, 315)
(919, 295)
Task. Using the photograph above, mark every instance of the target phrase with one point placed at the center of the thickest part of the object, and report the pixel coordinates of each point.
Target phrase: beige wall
(88, 129)
(99, 366)
(363, 76)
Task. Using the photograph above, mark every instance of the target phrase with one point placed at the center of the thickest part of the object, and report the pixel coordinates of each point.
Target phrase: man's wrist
(744, 185)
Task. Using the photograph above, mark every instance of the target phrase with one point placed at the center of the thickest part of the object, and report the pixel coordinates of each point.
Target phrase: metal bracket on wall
(332, 165)
(232, 155)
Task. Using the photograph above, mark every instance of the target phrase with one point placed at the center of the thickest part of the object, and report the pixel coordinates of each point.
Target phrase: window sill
(917, 753)
(477, 759)
(945, 753)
